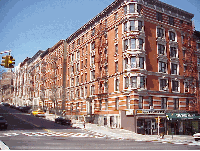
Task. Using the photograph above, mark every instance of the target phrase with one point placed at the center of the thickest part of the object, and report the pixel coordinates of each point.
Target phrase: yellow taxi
(38, 113)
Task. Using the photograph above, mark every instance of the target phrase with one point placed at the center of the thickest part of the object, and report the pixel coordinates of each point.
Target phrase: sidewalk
(123, 134)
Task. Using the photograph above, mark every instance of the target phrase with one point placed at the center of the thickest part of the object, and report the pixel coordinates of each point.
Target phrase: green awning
(183, 116)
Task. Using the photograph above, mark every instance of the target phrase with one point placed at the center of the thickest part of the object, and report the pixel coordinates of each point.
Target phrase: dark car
(63, 121)
(12, 106)
(6, 104)
(3, 123)
(25, 109)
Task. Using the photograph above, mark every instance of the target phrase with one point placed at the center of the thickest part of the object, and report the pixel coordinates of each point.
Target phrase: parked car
(12, 106)
(38, 113)
(196, 136)
(24, 109)
(6, 104)
(63, 121)
(3, 123)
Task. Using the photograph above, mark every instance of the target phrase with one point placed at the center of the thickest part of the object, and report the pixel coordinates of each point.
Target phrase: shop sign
(171, 116)
(150, 112)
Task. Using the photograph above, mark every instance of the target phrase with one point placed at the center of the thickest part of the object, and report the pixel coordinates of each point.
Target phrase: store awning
(171, 116)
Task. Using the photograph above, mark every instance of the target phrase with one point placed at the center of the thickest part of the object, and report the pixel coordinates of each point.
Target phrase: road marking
(25, 120)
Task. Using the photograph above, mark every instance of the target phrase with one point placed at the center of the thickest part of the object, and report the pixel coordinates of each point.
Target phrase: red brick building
(130, 64)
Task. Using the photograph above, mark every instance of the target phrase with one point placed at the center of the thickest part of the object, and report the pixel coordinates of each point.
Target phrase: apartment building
(132, 64)
(6, 85)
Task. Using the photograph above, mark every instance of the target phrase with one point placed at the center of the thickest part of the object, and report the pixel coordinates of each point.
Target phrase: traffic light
(4, 61)
(11, 62)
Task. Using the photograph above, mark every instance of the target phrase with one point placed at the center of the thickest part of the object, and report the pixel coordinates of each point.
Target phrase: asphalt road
(26, 132)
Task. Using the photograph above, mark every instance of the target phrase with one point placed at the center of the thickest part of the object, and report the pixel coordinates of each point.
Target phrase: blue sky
(27, 26)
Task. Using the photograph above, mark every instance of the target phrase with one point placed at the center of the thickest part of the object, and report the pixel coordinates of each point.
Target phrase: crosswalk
(57, 134)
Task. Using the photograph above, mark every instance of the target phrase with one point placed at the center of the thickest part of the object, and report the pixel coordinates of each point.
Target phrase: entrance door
(147, 126)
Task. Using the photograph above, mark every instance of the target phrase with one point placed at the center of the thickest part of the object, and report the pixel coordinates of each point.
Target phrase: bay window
(133, 62)
(134, 82)
(142, 82)
(161, 49)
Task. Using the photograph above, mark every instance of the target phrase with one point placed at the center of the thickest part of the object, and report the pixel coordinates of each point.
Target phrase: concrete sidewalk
(123, 134)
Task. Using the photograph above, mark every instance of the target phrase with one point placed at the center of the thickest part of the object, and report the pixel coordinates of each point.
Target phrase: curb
(3, 146)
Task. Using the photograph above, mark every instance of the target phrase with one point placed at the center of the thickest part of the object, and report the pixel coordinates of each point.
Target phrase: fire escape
(101, 61)
(190, 60)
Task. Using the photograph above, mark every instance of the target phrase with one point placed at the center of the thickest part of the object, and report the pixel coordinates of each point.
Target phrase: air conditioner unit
(151, 107)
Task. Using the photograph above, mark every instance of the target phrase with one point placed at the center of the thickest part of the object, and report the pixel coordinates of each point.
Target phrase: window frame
(159, 16)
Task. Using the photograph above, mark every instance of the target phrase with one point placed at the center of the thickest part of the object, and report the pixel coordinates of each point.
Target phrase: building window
(125, 9)
(93, 32)
(141, 62)
(198, 61)
(133, 43)
(159, 16)
(134, 82)
(116, 48)
(160, 32)
(92, 75)
(161, 49)
(139, 8)
(140, 25)
(163, 84)
(187, 104)
(116, 33)
(176, 104)
(81, 106)
(85, 77)
(185, 68)
(133, 62)
(115, 16)
(132, 25)
(125, 27)
(141, 43)
(140, 103)
(142, 82)
(100, 104)
(106, 104)
(150, 101)
(85, 91)
(173, 52)
(125, 44)
(117, 103)
(131, 8)
(92, 90)
(174, 68)
(163, 103)
(126, 82)
(162, 67)
(93, 45)
(175, 85)
(198, 45)
(184, 53)
(171, 20)
(116, 84)
(126, 63)
(186, 85)
(116, 66)
(171, 35)
(128, 102)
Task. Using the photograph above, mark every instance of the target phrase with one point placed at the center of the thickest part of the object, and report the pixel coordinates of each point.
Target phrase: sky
(27, 26)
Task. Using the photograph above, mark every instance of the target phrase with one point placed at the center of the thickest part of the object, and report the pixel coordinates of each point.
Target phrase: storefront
(182, 123)
(147, 121)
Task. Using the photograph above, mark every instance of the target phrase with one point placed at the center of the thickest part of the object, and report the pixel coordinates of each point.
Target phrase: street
(26, 132)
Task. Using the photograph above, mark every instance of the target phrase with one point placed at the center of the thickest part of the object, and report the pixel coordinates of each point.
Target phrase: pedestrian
(84, 123)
